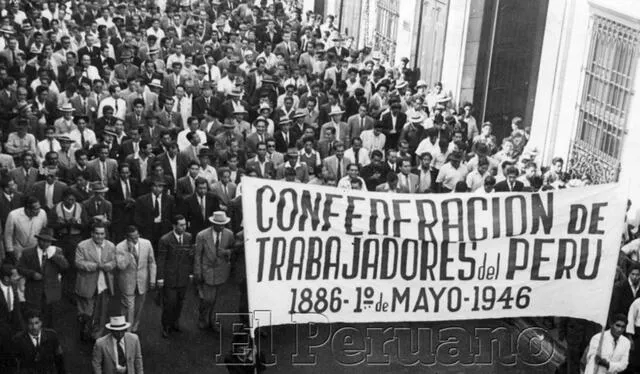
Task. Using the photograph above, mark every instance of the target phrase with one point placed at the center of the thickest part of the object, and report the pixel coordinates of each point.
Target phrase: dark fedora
(46, 234)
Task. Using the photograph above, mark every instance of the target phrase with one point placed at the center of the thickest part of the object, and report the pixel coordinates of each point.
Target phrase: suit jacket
(330, 169)
(134, 166)
(151, 102)
(49, 285)
(193, 213)
(251, 143)
(122, 212)
(24, 182)
(131, 121)
(92, 210)
(355, 128)
(39, 190)
(175, 262)
(503, 186)
(11, 322)
(144, 214)
(225, 198)
(281, 144)
(387, 122)
(104, 359)
(47, 358)
(87, 261)
(269, 168)
(282, 48)
(122, 72)
(170, 120)
(29, 70)
(622, 298)
(414, 183)
(200, 106)
(210, 263)
(181, 165)
(93, 168)
(7, 206)
(135, 273)
(91, 109)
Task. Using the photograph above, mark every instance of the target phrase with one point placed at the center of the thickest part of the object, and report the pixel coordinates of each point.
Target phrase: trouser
(172, 300)
(94, 310)
(156, 234)
(208, 296)
(132, 308)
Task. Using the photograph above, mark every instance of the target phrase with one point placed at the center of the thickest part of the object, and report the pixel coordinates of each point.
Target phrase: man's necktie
(361, 123)
(122, 359)
(37, 341)
(203, 208)
(44, 259)
(356, 156)
(180, 240)
(156, 208)
(116, 105)
(179, 105)
(339, 174)
(82, 140)
(210, 79)
(127, 191)
(50, 145)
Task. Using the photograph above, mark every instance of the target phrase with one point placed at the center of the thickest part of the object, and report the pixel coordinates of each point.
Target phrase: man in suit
(150, 99)
(10, 198)
(510, 184)
(38, 349)
(407, 181)
(287, 48)
(263, 167)
(342, 129)
(83, 104)
(334, 167)
(198, 207)
(42, 267)
(175, 264)
(25, 175)
(174, 164)
(136, 118)
(212, 265)
(153, 212)
(95, 262)
(259, 136)
(131, 146)
(391, 185)
(360, 122)
(11, 321)
(284, 138)
(136, 274)
(125, 71)
(625, 292)
(119, 351)
(207, 103)
(97, 207)
(392, 123)
(187, 184)
(224, 189)
(102, 168)
(122, 195)
(292, 161)
(49, 191)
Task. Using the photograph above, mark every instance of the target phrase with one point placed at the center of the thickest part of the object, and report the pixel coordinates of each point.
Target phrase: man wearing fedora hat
(343, 132)
(212, 264)
(42, 267)
(119, 351)
(64, 124)
(125, 70)
(98, 208)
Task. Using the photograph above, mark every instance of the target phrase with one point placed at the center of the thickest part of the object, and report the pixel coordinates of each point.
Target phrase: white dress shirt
(7, 291)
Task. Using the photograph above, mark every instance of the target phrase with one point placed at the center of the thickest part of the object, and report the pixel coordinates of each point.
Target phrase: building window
(387, 27)
(604, 105)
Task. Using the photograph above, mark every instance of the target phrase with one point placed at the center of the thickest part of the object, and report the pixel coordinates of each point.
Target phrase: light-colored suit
(93, 306)
(412, 187)
(105, 357)
(133, 277)
(24, 182)
(93, 167)
(355, 127)
(225, 198)
(330, 169)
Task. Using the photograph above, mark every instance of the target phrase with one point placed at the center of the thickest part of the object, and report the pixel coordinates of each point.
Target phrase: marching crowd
(127, 128)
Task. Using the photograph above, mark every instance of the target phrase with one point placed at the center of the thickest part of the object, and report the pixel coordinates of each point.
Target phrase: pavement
(482, 346)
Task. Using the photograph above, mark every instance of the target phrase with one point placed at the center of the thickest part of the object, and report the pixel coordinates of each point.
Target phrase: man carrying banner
(609, 351)
(212, 264)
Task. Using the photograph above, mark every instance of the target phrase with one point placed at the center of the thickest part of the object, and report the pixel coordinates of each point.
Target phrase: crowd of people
(127, 129)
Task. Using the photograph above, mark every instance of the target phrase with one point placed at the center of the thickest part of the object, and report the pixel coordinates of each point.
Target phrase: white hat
(416, 118)
(421, 83)
(336, 112)
(219, 218)
(117, 323)
(402, 84)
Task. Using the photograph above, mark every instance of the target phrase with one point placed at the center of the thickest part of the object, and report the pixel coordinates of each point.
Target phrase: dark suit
(200, 106)
(47, 358)
(11, 323)
(41, 294)
(181, 166)
(23, 181)
(387, 125)
(29, 70)
(185, 188)
(193, 212)
(622, 298)
(281, 144)
(39, 191)
(144, 217)
(7, 206)
(123, 210)
(175, 264)
(269, 169)
(503, 186)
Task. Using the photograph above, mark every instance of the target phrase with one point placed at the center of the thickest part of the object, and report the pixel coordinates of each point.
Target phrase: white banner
(323, 254)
